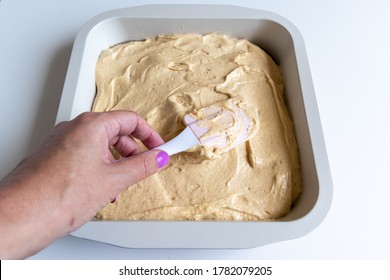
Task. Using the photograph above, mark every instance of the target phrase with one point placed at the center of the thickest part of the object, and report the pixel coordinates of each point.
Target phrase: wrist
(26, 226)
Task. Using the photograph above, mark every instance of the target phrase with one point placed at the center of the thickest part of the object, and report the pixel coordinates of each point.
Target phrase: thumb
(138, 167)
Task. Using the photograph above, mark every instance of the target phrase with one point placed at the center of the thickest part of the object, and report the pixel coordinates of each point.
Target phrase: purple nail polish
(162, 159)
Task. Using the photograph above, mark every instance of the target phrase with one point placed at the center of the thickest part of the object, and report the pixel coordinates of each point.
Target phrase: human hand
(71, 176)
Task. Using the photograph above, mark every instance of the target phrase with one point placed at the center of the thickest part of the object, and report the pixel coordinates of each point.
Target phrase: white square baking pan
(284, 43)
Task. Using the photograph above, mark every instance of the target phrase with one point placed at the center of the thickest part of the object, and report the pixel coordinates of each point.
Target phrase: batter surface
(169, 76)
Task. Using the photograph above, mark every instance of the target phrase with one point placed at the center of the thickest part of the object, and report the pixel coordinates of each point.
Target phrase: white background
(348, 46)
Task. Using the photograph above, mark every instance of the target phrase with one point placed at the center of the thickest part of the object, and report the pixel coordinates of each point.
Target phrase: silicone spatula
(223, 126)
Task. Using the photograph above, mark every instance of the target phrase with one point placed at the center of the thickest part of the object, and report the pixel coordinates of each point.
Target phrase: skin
(70, 177)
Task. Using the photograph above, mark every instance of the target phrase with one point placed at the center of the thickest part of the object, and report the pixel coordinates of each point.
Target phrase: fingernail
(112, 201)
(162, 159)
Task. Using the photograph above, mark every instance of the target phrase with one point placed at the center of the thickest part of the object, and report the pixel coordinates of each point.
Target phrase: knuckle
(85, 117)
(145, 166)
(61, 125)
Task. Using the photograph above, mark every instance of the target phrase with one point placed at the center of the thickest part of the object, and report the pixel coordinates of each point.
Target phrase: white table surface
(348, 46)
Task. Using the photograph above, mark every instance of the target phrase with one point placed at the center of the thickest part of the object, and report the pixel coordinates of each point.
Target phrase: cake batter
(168, 76)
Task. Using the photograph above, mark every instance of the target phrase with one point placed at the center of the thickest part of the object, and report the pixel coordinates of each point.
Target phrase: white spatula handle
(182, 142)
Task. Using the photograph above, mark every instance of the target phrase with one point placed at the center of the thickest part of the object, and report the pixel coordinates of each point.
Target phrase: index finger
(122, 123)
